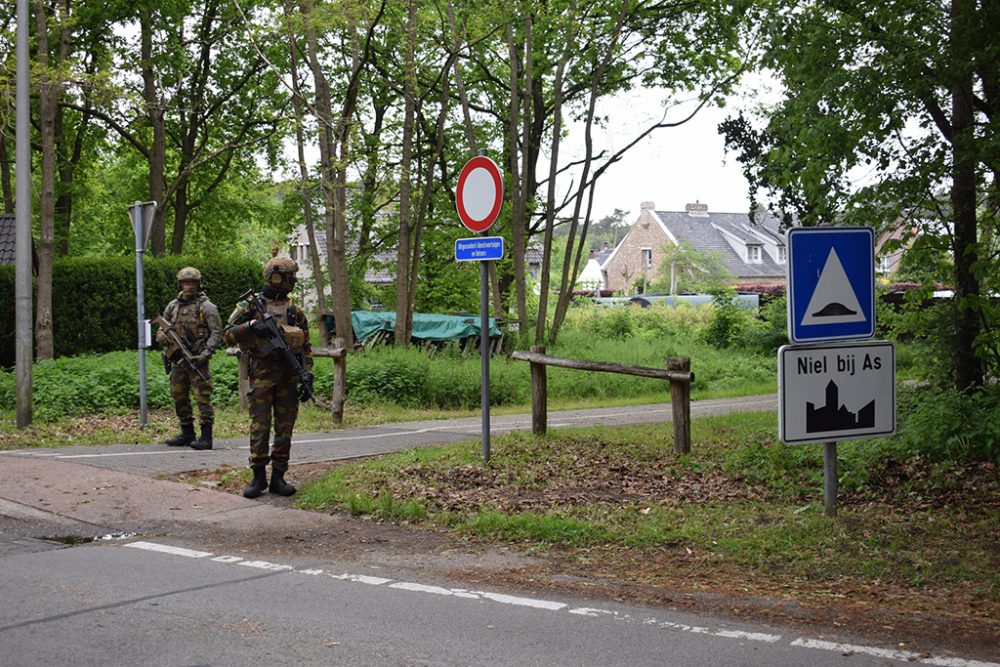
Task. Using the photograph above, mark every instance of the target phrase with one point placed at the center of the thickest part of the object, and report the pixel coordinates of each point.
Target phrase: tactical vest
(189, 322)
(284, 312)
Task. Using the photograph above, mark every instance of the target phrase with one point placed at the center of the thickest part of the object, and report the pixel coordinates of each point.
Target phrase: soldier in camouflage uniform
(273, 383)
(196, 320)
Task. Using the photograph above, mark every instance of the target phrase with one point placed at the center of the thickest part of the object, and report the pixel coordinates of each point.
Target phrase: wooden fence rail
(678, 373)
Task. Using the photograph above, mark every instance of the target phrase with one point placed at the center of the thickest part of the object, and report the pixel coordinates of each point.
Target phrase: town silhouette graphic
(835, 417)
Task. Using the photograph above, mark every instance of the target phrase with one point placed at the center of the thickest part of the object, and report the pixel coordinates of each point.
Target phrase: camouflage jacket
(293, 322)
(197, 321)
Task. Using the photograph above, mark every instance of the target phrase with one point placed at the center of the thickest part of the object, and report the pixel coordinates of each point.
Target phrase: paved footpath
(93, 489)
(153, 459)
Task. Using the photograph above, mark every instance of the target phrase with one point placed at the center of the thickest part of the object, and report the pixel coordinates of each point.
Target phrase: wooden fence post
(243, 385)
(539, 399)
(339, 373)
(680, 399)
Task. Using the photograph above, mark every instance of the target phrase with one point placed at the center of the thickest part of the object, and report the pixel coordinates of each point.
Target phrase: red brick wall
(626, 265)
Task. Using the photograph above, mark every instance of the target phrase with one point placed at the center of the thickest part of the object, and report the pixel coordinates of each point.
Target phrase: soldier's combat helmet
(188, 273)
(189, 279)
(279, 273)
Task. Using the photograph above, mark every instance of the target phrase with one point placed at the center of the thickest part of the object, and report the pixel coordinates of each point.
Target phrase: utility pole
(24, 355)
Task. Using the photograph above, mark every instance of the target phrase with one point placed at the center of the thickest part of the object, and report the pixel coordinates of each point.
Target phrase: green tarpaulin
(426, 327)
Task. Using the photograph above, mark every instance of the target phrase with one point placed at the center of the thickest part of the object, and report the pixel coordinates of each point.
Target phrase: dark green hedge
(93, 300)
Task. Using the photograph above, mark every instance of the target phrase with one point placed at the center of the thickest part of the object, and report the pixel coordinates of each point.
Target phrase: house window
(753, 254)
(884, 265)
(647, 258)
(781, 254)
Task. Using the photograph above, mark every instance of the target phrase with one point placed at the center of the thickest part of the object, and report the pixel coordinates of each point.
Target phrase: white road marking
(227, 559)
(264, 565)
(361, 579)
(592, 612)
(523, 602)
(752, 636)
(892, 654)
(166, 549)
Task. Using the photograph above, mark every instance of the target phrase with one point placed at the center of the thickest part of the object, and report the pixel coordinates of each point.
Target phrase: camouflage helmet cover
(282, 266)
(188, 273)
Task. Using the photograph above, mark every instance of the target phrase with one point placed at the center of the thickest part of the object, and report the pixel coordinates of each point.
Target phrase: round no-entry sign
(479, 194)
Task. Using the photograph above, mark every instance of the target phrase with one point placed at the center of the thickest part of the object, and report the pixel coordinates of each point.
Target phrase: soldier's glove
(306, 389)
(202, 358)
(161, 337)
(260, 328)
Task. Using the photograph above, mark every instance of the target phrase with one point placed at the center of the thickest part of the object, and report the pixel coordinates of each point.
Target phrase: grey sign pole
(22, 223)
(142, 219)
(830, 478)
(484, 349)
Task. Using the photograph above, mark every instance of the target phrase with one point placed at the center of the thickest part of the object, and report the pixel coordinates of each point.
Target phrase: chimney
(697, 210)
(647, 206)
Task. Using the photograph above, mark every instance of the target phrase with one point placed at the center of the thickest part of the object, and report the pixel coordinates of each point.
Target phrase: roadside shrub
(769, 330)
(942, 424)
(93, 299)
(394, 375)
(729, 322)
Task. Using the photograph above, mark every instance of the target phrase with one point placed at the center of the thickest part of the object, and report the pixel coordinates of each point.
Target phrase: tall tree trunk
(63, 210)
(49, 91)
(333, 167)
(425, 199)
(181, 210)
(403, 306)
(550, 200)
(518, 227)
(307, 210)
(968, 366)
(571, 264)
(158, 149)
(473, 150)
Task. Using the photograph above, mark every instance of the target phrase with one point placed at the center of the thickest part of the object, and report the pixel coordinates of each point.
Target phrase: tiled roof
(602, 257)
(8, 239)
(707, 232)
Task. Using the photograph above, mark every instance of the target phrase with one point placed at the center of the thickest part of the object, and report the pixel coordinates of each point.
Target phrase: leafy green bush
(729, 322)
(408, 377)
(942, 424)
(393, 375)
(93, 300)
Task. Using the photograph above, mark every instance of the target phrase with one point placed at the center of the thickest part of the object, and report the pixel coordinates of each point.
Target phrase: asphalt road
(149, 603)
(184, 578)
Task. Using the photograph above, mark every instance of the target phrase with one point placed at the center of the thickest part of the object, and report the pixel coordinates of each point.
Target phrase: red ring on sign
(480, 224)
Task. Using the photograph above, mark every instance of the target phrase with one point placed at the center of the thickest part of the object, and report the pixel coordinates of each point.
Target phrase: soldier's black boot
(257, 484)
(185, 438)
(205, 441)
(279, 485)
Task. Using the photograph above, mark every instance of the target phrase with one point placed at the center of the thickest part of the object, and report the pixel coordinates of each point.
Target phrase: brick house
(751, 251)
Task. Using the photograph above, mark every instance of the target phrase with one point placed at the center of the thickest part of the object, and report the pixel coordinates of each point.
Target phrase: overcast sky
(672, 166)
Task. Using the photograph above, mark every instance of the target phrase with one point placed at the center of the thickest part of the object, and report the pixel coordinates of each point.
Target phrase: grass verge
(618, 503)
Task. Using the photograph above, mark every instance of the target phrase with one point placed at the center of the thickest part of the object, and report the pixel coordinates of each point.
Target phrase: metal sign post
(478, 199)
(141, 215)
(22, 220)
(842, 391)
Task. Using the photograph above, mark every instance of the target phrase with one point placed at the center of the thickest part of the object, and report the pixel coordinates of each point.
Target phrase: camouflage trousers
(182, 381)
(272, 392)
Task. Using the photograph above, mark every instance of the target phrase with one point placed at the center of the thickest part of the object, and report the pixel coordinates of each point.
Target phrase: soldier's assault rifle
(181, 354)
(273, 340)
